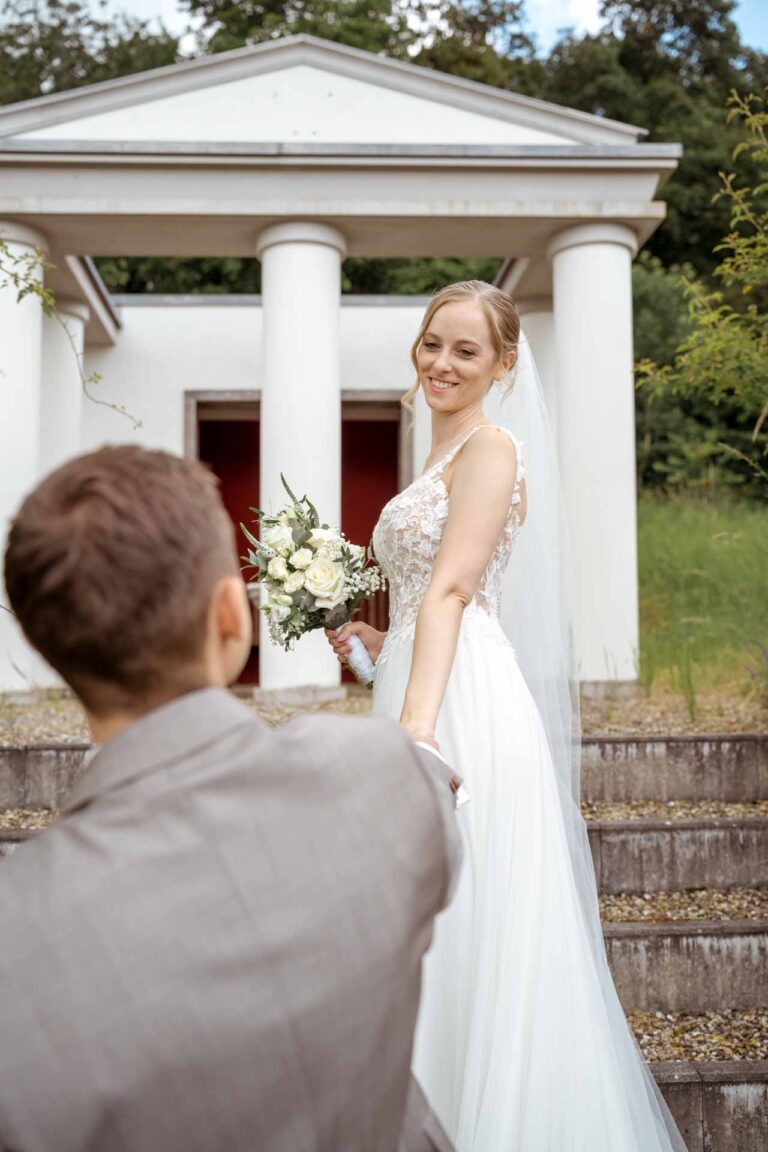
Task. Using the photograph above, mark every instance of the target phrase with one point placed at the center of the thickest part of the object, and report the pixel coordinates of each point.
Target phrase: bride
(521, 1043)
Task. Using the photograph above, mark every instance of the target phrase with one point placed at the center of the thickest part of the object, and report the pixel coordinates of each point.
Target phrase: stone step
(689, 965)
(635, 856)
(716, 767)
(728, 768)
(720, 1106)
(38, 775)
(671, 965)
(651, 855)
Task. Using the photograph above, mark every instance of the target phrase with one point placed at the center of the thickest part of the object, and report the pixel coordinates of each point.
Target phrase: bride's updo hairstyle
(500, 312)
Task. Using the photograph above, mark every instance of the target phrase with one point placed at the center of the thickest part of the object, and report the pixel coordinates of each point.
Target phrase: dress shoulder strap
(444, 460)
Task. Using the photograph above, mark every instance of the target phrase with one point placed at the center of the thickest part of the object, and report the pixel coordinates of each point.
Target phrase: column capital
(301, 232)
(12, 232)
(75, 308)
(585, 234)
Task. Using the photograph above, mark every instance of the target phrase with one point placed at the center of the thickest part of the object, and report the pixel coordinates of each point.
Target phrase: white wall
(161, 353)
(164, 351)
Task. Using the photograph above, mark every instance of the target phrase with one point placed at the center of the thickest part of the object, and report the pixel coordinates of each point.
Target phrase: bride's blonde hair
(500, 312)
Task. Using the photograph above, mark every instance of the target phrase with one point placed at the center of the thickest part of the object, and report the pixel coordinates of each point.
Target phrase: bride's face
(456, 357)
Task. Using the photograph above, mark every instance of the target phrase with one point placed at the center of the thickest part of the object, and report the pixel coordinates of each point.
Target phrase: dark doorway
(230, 448)
(223, 431)
(370, 452)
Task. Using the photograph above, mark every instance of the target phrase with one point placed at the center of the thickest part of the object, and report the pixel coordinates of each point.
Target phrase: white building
(301, 151)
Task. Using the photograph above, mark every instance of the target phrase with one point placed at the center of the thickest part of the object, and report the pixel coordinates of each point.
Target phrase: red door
(369, 454)
(230, 448)
(370, 439)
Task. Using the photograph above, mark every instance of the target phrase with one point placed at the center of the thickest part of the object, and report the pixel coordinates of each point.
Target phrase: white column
(62, 384)
(20, 363)
(301, 405)
(592, 291)
(538, 326)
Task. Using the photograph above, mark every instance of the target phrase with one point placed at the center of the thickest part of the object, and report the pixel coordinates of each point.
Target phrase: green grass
(703, 594)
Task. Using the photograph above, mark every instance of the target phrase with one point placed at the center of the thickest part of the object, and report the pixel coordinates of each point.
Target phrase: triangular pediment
(303, 90)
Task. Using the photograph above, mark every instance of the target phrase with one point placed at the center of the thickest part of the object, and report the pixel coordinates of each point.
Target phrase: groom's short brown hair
(109, 569)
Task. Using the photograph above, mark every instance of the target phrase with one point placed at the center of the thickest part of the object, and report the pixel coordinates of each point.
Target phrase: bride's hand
(420, 735)
(371, 638)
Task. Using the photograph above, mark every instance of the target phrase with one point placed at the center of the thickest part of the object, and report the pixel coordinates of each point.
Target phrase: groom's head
(122, 571)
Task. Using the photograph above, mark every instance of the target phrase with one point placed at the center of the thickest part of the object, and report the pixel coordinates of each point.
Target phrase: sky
(545, 18)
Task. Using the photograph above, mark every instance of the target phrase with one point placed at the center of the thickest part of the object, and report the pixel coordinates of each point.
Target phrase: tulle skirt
(521, 1043)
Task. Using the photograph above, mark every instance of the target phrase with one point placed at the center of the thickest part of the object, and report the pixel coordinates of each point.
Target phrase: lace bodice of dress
(407, 537)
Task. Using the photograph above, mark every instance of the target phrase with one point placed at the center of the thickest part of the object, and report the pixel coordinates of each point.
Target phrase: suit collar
(165, 734)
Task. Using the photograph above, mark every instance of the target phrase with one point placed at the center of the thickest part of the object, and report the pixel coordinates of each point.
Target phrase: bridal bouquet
(313, 577)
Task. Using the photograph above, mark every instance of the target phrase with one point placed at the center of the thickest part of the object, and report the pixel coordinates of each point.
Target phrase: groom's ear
(231, 614)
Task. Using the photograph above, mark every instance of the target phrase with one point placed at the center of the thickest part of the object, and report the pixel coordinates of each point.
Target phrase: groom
(218, 944)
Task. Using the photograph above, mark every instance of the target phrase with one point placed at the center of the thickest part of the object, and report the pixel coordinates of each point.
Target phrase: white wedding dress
(521, 1043)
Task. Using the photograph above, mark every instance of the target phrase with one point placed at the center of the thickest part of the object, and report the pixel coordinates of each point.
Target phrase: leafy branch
(24, 272)
(723, 357)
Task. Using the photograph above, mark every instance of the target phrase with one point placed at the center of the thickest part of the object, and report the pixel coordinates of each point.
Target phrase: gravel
(739, 1034)
(688, 904)
(667, 713)
(673, 809)
(55, 716)
(24, 819)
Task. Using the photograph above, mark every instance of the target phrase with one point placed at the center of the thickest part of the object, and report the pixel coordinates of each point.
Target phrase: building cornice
(205, 152)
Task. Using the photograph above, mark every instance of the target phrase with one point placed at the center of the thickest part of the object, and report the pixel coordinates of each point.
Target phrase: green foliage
(374, 25)
(24, 272)
(722, 359)
(159, 275)
(412, 277)
(667, 66)
(703, 569)
(484, 40)
(211, 276)
(53, 45)
(661, 320)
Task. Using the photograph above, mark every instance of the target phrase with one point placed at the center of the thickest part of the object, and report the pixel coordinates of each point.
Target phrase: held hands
(374, 641)
(420, 735)
(370, 637)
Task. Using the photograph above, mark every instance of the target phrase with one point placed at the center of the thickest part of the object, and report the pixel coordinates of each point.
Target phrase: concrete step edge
(719, 1107)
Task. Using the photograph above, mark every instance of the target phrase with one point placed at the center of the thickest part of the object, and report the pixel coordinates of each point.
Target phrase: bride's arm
(481, 492)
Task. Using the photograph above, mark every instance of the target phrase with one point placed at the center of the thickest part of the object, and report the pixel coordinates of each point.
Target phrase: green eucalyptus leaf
(288, 490)
(249, 536)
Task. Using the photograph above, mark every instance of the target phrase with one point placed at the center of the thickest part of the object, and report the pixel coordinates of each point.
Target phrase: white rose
(277, 568)
(294, 582)
(278, 612)
(356, 551)
(279, 537)
(302, 558)
(325, 581)
(322, 536)
(281, 599)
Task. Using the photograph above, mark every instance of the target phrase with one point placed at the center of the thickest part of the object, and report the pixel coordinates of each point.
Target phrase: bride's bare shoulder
(489, 453)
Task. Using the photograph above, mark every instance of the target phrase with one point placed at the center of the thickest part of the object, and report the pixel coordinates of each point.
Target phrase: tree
(374, 25)
(484, 40)
(51, 46)
(667, 66)
(694, 42)
(723, 358)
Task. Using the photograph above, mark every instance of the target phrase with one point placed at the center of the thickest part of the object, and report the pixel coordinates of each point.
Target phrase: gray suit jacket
(217, 947)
